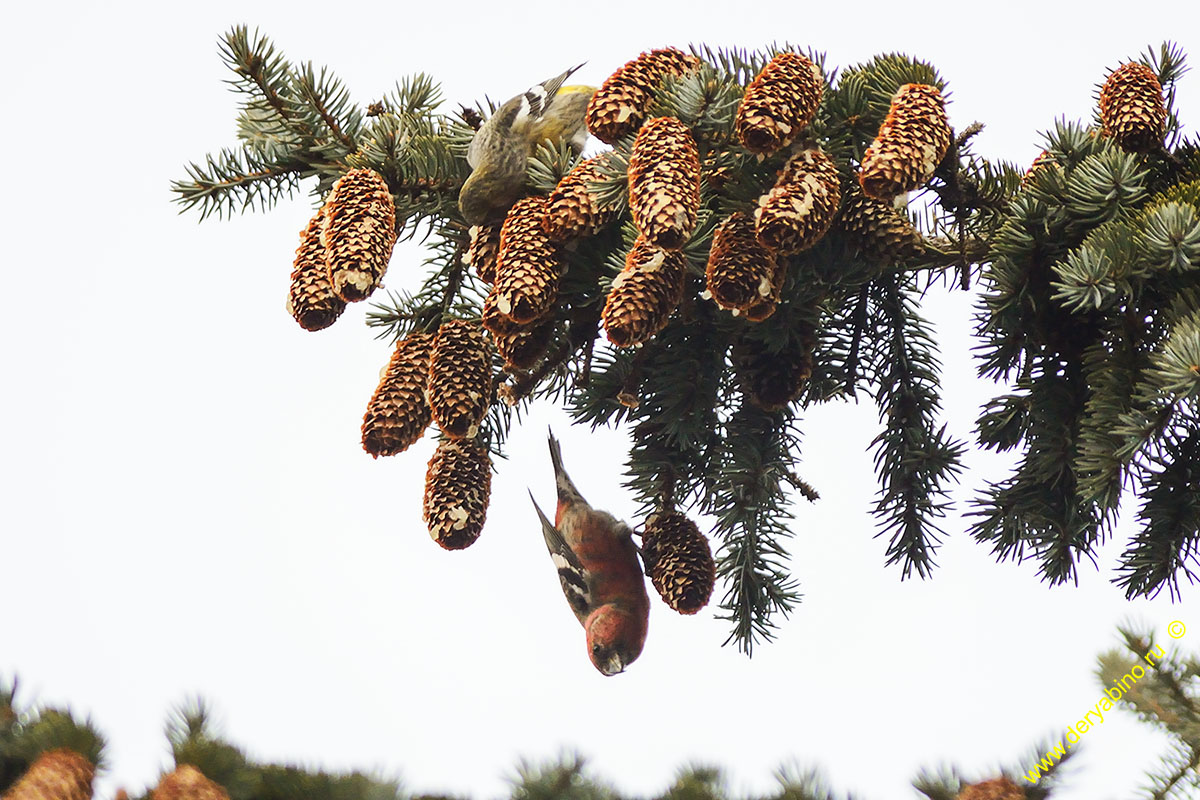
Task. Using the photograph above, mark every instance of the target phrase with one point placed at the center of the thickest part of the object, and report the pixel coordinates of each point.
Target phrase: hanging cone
(522, 349)
(878, 232)
(799, 209)
(460, 378)
(995, 789)
(644, 294)
(458, 485)
(311, 300)
(779, 103)
(187, 783)
(483, 251)
(740, 271)
(619, 106)
(359, 233)
(772, 380)
(572, 209)
(59, 774)
(1132, 110)
(910, 144)
(527, 267)
(398, 413)
(679, 561)
(664, 182)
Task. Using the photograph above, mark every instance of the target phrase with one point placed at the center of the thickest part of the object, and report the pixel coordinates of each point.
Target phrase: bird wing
(539, 97)
(571, 574)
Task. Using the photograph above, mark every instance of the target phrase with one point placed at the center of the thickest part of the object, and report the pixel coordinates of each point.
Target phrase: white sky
(187, 509)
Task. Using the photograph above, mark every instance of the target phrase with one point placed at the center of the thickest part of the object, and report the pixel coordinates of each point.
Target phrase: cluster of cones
(446, 376)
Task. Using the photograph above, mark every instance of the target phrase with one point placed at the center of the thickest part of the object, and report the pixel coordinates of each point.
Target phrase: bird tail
(566, 487)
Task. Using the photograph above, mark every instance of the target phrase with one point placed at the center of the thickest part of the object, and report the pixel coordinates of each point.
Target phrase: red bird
(600, 573)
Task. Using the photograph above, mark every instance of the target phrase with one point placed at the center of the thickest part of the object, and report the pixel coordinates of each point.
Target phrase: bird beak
(613, 666)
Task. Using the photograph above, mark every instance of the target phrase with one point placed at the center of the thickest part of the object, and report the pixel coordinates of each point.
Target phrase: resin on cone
(800, 207)
(664, 182)
(1132, 110)
(359, 233)
(398, 413)
(910, 144)
(458, 485)
(644, 294)
(573, 210)
(311, 299)
(740, 271)
(679, 560)
(188, 783)
(484, 250)
(764, 307)
(460, 378)
(527, 267)
(779, 103)
(59, 774)
(876, 229)
(619, 106)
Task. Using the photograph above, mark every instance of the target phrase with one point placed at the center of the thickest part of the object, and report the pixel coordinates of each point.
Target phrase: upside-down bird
(599, 571)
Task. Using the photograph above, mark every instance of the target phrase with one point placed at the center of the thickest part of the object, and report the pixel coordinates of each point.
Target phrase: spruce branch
(913, 460)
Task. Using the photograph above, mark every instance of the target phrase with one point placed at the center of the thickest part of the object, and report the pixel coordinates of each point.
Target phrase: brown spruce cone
(484, 250)
(910, 144)
(779, 103)
(877, 230)
(772, 380)
(311, 300)
(458, 485)
(460, 378)
(398, 413)
(359, 233)
(1044, 159)
(188, 783)
(644, 294)
(995, 789)
(740, 271)
(572, 210)
(679, 560)
(59, 774)
(799, 209)
(522, 349)
(664, 182)
(1132, 110)
(619, 106)
(527, 266)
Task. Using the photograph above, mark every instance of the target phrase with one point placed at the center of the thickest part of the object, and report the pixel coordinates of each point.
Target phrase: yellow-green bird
(500, 148)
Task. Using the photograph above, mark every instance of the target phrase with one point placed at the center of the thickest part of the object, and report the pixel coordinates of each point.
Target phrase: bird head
(614, 639)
